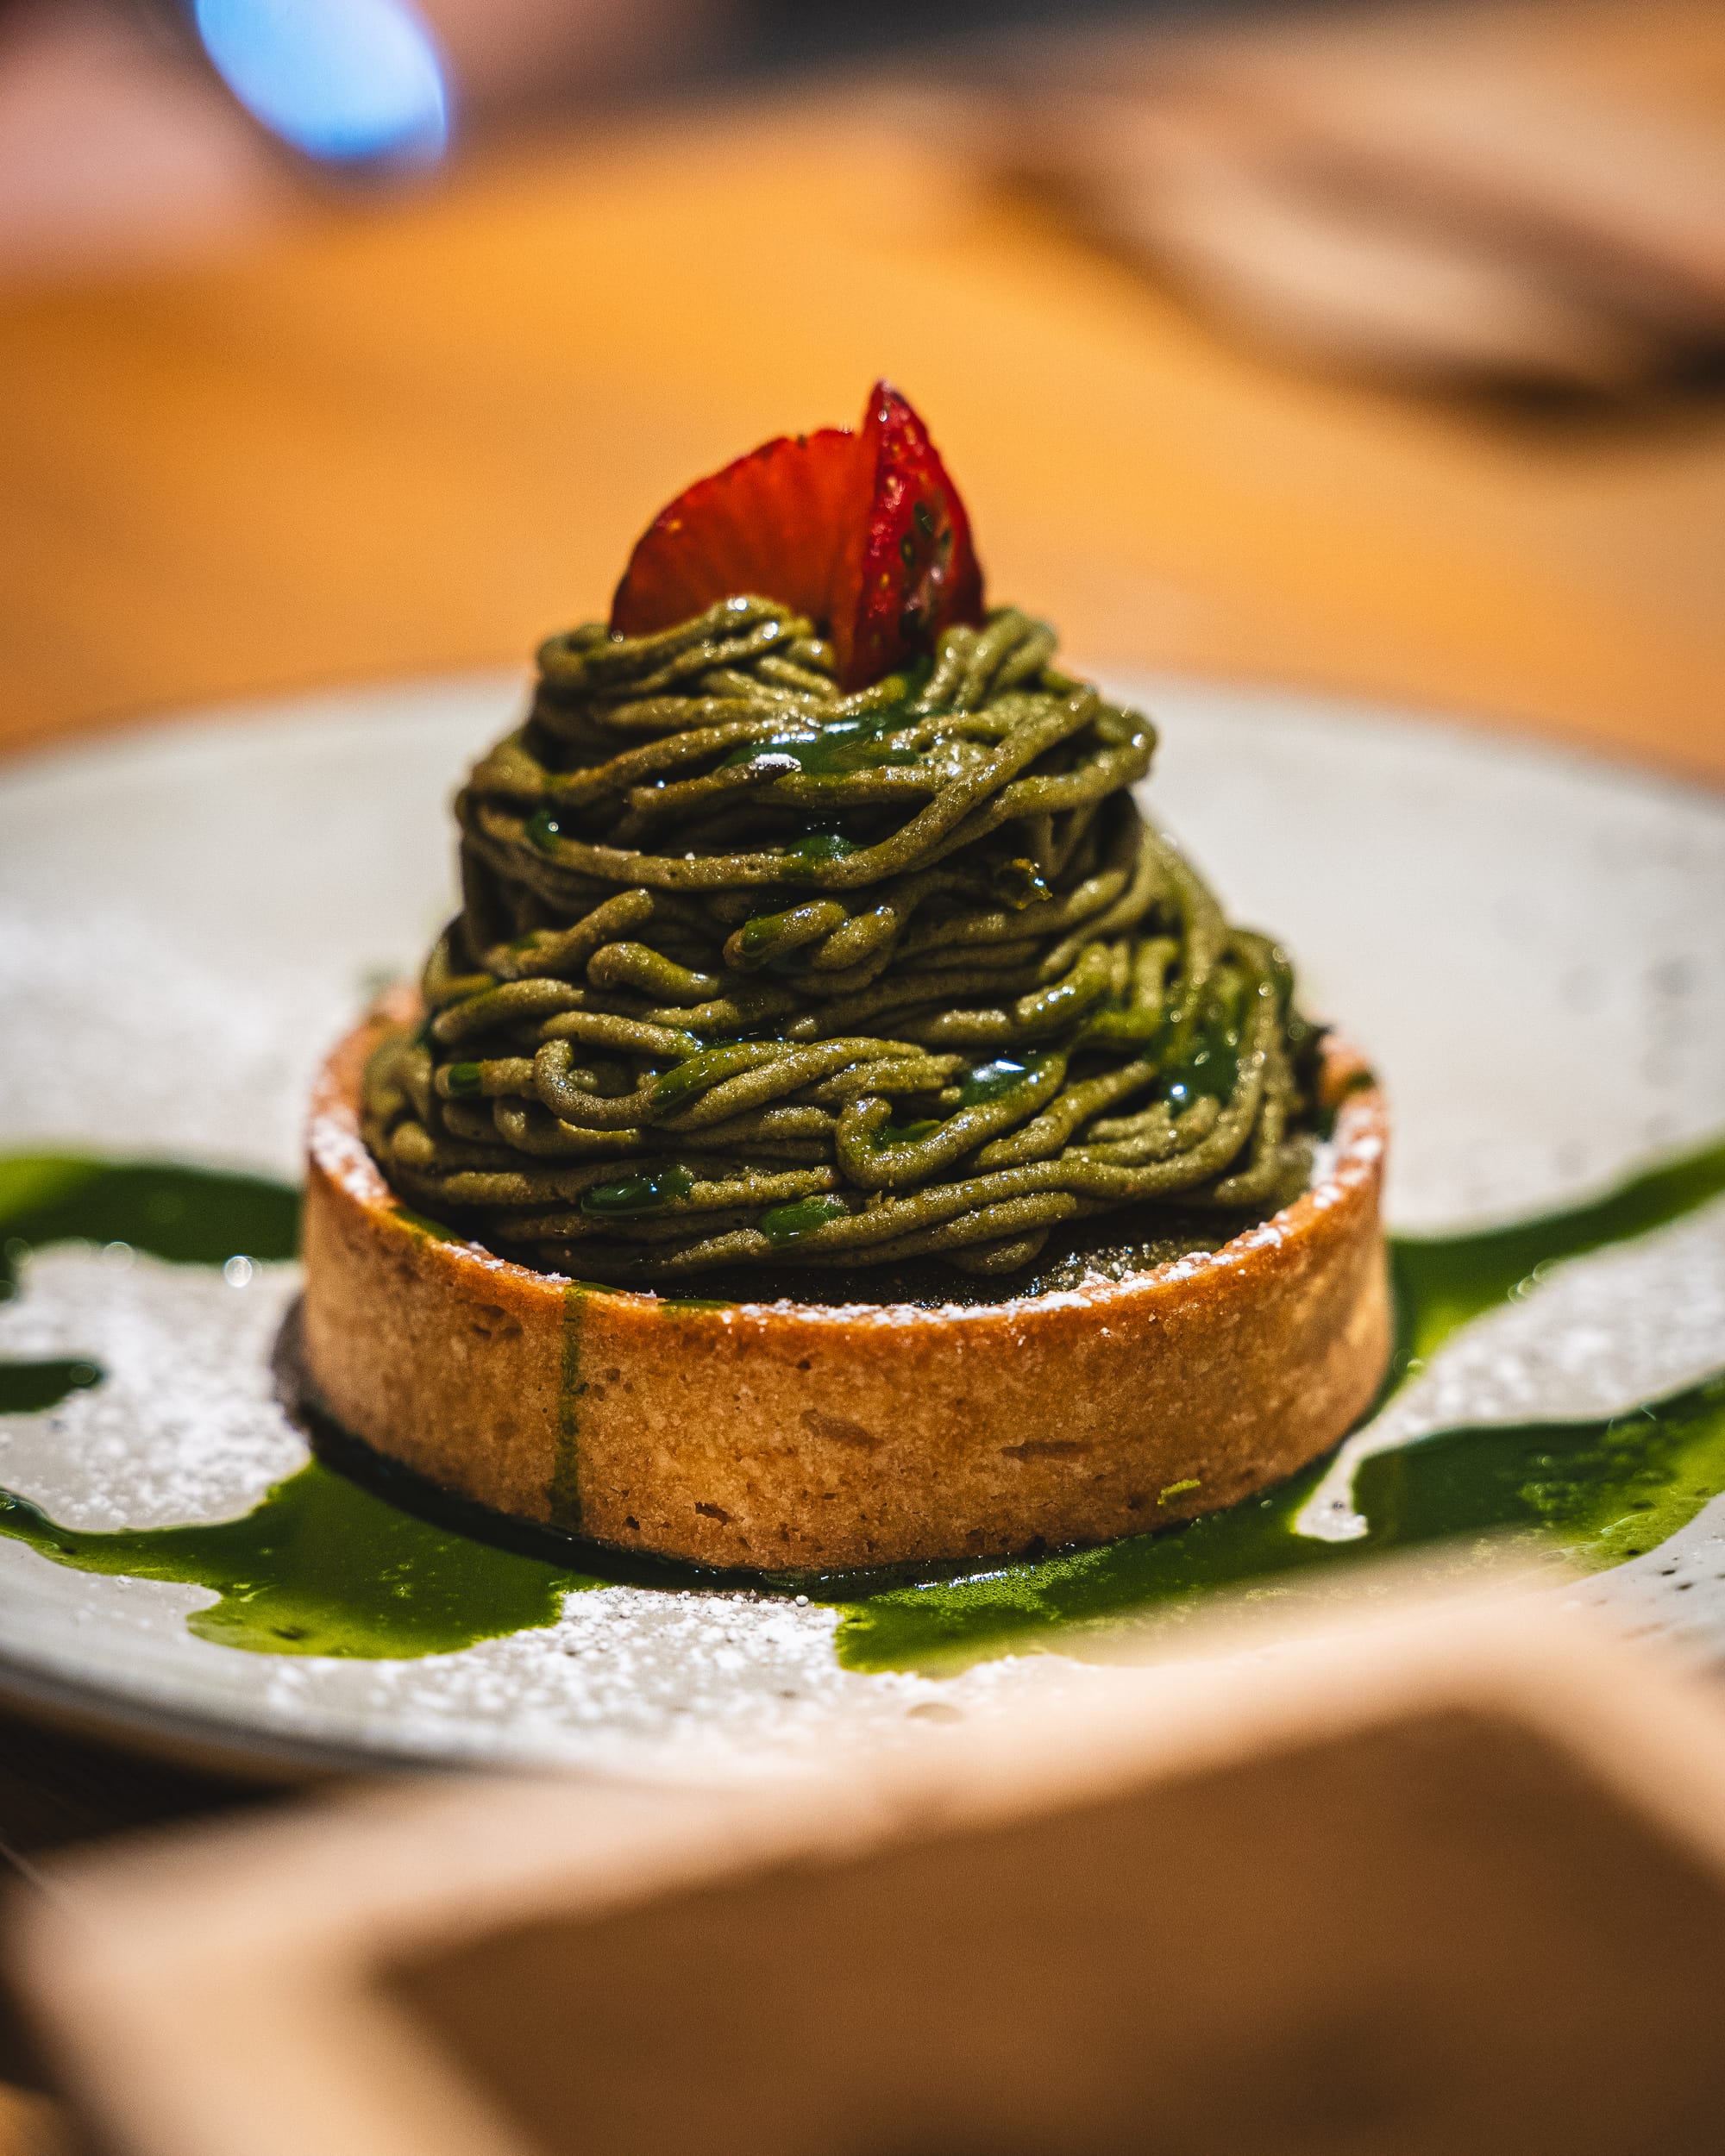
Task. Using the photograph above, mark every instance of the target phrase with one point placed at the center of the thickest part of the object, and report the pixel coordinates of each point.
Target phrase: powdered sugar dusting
(334, 1143)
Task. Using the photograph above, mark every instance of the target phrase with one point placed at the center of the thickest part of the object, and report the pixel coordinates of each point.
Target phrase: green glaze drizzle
(367, 1563)
(637, 1194)
(322, 1566)
(194, 1216)
(1443, 1281)
(993, 1081)
(787, 1224)
(30, 1388)
(838, 748)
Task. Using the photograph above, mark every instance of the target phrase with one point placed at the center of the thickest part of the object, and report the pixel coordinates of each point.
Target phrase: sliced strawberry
(910, 570)
(865, 534)
(772, 524)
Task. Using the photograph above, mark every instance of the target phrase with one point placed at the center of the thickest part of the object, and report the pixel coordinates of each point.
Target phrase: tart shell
(792, 1436)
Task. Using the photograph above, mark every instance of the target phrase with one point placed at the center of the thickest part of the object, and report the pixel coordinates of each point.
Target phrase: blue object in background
(345, 81)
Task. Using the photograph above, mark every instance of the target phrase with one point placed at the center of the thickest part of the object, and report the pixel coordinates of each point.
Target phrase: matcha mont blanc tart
(838, 1128)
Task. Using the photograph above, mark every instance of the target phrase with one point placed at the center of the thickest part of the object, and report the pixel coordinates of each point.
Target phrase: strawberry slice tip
(910, 570)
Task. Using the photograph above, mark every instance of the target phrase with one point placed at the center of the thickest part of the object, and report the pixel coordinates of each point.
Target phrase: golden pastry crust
(780, 1436)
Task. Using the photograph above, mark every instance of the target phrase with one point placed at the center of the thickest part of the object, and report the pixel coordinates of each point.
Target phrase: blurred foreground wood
(1451, 1881)
(31, 2125)
(420, 435)
(56, 1787)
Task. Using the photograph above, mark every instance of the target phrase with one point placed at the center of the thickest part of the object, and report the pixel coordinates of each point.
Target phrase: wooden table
(405, 436)
(412, 436)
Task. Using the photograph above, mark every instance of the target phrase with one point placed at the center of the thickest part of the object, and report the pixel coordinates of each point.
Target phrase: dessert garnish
(810, 915)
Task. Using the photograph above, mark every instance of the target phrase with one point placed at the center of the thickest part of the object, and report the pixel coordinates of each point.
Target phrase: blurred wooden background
(406, 435)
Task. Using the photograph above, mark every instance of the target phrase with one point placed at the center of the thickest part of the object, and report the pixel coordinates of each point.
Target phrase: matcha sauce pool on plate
(348, 1558)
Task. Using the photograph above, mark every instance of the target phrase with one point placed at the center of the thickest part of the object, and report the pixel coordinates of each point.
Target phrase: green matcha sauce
(323, 1565)
(351, 1556)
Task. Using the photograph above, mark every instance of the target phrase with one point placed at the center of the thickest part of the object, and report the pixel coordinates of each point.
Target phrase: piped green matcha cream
(753, 969)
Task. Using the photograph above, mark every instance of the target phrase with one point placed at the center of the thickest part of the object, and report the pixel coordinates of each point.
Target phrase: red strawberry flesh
(911, 571)
(864, 534)
(772, 524)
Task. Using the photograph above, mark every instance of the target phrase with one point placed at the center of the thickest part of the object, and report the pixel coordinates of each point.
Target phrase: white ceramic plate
(1530, 943)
